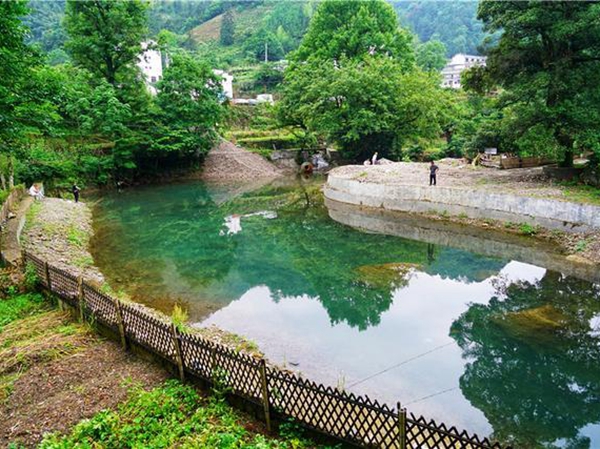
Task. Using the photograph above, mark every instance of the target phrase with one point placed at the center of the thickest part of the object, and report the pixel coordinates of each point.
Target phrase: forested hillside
(453, 23)
(250, 24)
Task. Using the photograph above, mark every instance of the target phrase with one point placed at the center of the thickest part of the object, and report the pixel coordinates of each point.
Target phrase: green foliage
(30, 280)
(454, 24)
(261, 42)
(105, 37)
(179, 316)
(363, 105)
(548, 63)
(19, 306)
(527, 229)
(190, 110)
(431, 55)
(353, 30)
(173, 415)
(354, 81)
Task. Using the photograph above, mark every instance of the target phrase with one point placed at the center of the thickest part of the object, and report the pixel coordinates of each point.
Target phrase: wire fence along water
(354, 419)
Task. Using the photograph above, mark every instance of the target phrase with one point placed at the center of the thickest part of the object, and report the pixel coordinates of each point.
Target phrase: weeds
(19, 306)
(76, 237)
(527, 229)
(173, 415)
(179, 317)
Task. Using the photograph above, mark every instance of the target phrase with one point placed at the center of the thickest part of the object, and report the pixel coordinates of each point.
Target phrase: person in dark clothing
(75, 191)
(433, 173)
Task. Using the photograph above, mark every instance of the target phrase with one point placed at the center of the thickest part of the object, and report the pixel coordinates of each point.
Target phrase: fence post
(265, 392)
(178, 355)
(47, 270)
(401, 426)
(120, 323)
(80, 298)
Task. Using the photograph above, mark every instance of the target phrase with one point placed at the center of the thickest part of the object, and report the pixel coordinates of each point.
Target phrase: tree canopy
(352, 29)
(354, 80)
(547, 62)
(105, 37)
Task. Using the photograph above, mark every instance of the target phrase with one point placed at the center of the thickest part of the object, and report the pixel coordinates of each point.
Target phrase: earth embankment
(230, 163)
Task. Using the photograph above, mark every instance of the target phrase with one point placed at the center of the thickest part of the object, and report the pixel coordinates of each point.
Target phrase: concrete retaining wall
(480, 204)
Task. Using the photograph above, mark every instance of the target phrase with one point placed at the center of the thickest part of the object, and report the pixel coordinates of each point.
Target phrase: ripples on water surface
(483, 342)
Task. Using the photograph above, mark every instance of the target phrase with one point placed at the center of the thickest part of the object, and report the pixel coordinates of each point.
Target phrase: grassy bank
(173, 415)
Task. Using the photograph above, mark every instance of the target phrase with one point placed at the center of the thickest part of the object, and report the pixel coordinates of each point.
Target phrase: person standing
(433, 169)
(75, 191)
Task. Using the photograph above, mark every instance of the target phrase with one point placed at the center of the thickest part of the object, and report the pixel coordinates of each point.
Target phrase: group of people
(37, 191)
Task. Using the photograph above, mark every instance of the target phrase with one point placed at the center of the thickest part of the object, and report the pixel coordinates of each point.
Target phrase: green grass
(20, 306)
(582, 194)
(527, 229)
(76, 236)
(173, 415)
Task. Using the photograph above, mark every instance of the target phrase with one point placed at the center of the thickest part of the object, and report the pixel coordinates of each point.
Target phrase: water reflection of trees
(301, 253)
(535, 360)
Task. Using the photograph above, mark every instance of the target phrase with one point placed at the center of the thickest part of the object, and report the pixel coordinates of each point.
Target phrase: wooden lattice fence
(345, 416)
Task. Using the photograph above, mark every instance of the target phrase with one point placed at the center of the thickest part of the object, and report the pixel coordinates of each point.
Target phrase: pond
(461, 328)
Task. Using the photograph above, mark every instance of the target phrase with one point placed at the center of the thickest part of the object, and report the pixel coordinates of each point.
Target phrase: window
(153, 79)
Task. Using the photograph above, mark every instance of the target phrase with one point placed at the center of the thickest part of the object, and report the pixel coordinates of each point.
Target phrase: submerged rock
(388, 275)
(538, 325)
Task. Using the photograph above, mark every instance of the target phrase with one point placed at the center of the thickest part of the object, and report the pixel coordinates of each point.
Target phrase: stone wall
(487, 242)
(475, 203)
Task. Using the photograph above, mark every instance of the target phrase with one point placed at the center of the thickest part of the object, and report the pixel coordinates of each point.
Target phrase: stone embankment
(519, 196)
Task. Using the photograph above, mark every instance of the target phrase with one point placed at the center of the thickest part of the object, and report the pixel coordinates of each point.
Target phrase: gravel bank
(59, 231)
(230, 163)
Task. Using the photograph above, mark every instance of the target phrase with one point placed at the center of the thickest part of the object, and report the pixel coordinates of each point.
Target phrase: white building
(458, 63)
(226, 83)
(150, 63)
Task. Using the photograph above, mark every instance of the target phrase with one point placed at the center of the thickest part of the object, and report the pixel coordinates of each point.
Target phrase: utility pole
(266, 52)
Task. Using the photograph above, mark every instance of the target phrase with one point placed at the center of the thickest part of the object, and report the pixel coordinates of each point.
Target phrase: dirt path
(228, 162)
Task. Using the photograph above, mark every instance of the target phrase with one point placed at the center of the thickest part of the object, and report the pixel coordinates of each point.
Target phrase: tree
(364, 105)
(23, 113)
(261, 42)
(188, 97)
(548, 62)
(227, 28)
(353, 29)
(431, 55)
(354, 81)
(105, 37)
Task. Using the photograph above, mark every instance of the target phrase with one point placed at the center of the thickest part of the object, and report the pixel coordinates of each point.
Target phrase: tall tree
(354, 80)
(227, 28)
(22, 112)
(351, 29)
(105, 36)
(548, 60)
(188, 96)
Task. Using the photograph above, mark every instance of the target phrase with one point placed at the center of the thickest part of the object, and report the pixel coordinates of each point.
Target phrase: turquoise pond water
(487, 343)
